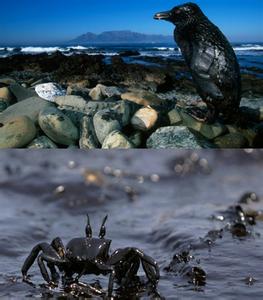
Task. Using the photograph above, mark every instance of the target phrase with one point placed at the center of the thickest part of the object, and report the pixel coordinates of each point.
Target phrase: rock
(253, 103)
(144, 119)
(125, 110)
(88, 138)
(105, 121)
(49, 91)
(173, 137)
(231, 140)
(75, 116)
(17, 132)
(209, 131)
(129, 53)
(42, 142)
(3, 105)
(232, 129)
(5, 94)
(93, 106)
(101, 92)
(34, 83)
(21, 93)
(250, 134)
(57, 126)
(174, 117)
(71, 102)
(29, 107)
(136, 138)
(75, 90)
(5, 81)
(258, 139)
(116, 140)
(252, 114)
(142, 97)
(72, 147)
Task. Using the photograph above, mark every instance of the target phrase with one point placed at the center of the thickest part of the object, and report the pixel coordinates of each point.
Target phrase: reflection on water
(180, 207)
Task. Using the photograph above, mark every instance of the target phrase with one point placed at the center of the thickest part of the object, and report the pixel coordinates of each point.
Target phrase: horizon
(47, 23)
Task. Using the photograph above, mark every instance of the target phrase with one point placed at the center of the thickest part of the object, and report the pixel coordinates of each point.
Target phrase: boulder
(175, 117)
(173, 137)
(71, 102)
(57, 126)
(17, 132)
(21, 93)
(142, 97)
(231, 140)
(116, 140)
(144, 119)
(88, 138)
(209, 131)
(49, 91)
(136, 138)
(29, 107)
(3, 105)
(42, 142)
(5, 81)
(5, 94)
(101, 92)
(105, 121)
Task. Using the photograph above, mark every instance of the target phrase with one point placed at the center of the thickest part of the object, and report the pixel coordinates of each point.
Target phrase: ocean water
(250, 55)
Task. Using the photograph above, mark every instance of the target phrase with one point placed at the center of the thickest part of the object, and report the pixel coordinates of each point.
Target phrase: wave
(249, 47)
(111, 50)
(164, 48)
(42, 49)
(80, 48)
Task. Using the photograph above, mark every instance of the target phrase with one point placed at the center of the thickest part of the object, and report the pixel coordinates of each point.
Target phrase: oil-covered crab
(89, 255)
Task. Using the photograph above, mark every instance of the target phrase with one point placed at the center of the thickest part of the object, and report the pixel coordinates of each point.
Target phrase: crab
(90, 255)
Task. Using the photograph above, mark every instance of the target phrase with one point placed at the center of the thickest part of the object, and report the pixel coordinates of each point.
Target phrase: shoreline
(118, 103)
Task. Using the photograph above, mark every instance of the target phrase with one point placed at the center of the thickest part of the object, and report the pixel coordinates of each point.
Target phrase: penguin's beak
(165, 15)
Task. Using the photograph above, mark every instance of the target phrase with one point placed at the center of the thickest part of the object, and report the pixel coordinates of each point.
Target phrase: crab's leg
(54, 274)
(111, 282)
(81, 274)
(149, 271)
(150, 266)
(107, 269)
(51, 260)
(132, 269)
(32, 257)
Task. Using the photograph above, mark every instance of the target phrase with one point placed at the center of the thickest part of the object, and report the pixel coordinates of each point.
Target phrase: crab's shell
(88, 249)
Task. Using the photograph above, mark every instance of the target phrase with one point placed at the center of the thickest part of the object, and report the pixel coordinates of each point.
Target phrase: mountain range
(124, 36)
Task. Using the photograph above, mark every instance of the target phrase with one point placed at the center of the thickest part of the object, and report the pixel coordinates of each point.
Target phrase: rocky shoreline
(101, 102)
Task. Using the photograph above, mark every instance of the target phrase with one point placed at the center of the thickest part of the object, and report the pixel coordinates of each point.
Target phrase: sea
(249, 54)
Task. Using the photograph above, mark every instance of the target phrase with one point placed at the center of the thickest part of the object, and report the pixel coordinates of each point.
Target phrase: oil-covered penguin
(210, 58)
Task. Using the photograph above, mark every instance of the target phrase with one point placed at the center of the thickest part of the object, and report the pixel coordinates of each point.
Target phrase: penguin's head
(180, 15)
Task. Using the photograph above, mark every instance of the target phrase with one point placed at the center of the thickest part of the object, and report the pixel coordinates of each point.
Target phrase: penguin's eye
(187, 9)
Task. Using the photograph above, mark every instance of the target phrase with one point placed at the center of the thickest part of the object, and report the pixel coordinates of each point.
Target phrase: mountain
(124, 36)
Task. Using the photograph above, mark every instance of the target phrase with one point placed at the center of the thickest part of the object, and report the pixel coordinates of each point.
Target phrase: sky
(33, 22)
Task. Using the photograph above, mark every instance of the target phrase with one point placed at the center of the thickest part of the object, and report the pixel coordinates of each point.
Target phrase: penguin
(210, 58)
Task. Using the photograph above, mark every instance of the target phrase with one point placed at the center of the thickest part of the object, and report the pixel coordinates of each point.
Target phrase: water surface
(161, 202)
